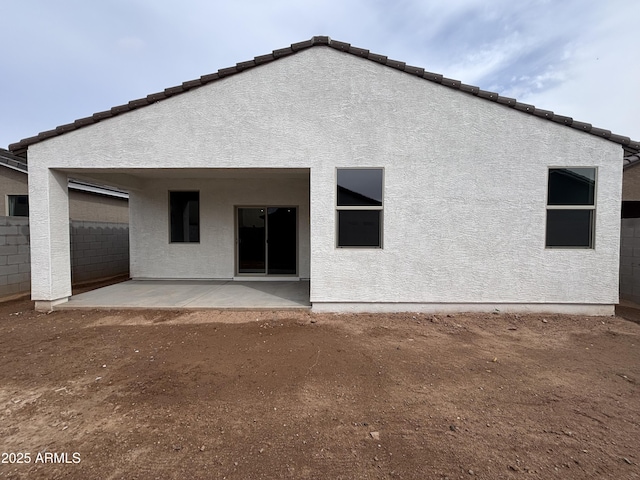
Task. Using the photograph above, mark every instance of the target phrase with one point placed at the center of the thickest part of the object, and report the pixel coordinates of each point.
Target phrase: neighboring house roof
(14, 162)
(631, 160)
(21, 146)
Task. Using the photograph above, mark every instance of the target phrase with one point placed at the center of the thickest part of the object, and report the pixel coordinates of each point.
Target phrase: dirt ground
(257, 395)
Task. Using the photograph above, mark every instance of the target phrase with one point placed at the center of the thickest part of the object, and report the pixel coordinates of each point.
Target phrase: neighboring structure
(630, 241)
(87, 202)
(391, 188)
(98, 225)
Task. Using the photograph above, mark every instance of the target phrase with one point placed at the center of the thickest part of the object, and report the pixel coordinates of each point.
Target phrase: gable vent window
(18, 205)
(359, 207)
(184, 217)
(571, 207)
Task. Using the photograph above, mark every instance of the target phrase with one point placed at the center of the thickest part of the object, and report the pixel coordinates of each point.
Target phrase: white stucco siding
(471, 228)
(465, 180)
(152, 256)
(49, 235)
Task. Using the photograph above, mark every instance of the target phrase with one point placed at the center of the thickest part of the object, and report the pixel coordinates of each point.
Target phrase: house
(389, 187)
(630, 238)
(87, 202)
(631, 186)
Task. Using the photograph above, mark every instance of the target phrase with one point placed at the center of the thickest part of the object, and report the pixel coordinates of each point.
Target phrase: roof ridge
(21, 146)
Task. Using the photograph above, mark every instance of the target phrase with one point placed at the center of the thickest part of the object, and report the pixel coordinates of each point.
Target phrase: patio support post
(49, 232)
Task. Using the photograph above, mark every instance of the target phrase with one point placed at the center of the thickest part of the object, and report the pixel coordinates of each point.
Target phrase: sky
(61, 60)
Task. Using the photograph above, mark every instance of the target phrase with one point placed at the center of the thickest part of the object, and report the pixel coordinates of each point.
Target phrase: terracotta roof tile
(600, 132)
(377, 58)
(141, 102)
(263, 59)
(512, 102)
(345, 47)
(469, 89)
(208, 78)
(450, 82)
(282, 52)
(434, 77)
(543, 113)
(585, 127)
(244, 65)
(562, 119)
(620, 139)
(396, 64)
(191, 84)
(631, 147)
(302, 45)
(524, 107)
(360, 52)
(125, 108)
(225, 72)
(154, 97)
(83, 121)
(414, 70)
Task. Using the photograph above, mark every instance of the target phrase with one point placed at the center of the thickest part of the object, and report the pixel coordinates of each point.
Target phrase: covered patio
(195, 294)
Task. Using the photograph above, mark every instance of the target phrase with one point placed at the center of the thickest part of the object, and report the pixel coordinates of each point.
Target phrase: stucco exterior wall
(11, 183)
(87, 207)
(465, 179)
(152, 256)
(631, 184)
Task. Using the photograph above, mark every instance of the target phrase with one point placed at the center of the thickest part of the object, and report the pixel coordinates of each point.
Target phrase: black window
(18, 205)
(630, 209)
(184, 217)
(571, 207)
(359, 207)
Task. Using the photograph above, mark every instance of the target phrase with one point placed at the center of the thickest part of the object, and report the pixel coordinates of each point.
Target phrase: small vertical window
(184, 217)
(18, 205)
(359, 207)
(571, 207)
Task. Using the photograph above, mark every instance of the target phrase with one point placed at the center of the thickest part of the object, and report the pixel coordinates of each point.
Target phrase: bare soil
(257, 395)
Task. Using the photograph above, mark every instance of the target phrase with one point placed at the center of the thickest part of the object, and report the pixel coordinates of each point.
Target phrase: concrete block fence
(630, 260)
(15, 264)
(98, 250)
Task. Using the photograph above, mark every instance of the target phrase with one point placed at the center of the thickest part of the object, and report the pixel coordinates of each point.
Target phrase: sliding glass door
(267, 240)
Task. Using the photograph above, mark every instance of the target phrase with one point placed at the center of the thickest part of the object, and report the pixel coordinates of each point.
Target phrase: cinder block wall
(630, 260)
(15, 263)
(98, 250)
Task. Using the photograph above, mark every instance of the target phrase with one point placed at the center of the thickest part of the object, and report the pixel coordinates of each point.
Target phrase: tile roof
(12, 161)
(631, 160)
(631, 147)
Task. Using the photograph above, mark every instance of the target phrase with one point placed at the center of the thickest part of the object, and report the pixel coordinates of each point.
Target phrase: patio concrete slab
(195, 294)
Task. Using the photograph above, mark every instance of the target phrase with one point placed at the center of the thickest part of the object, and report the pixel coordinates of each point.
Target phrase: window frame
(10, 202)
(568, 207)
(379, 208)
(169, 223)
